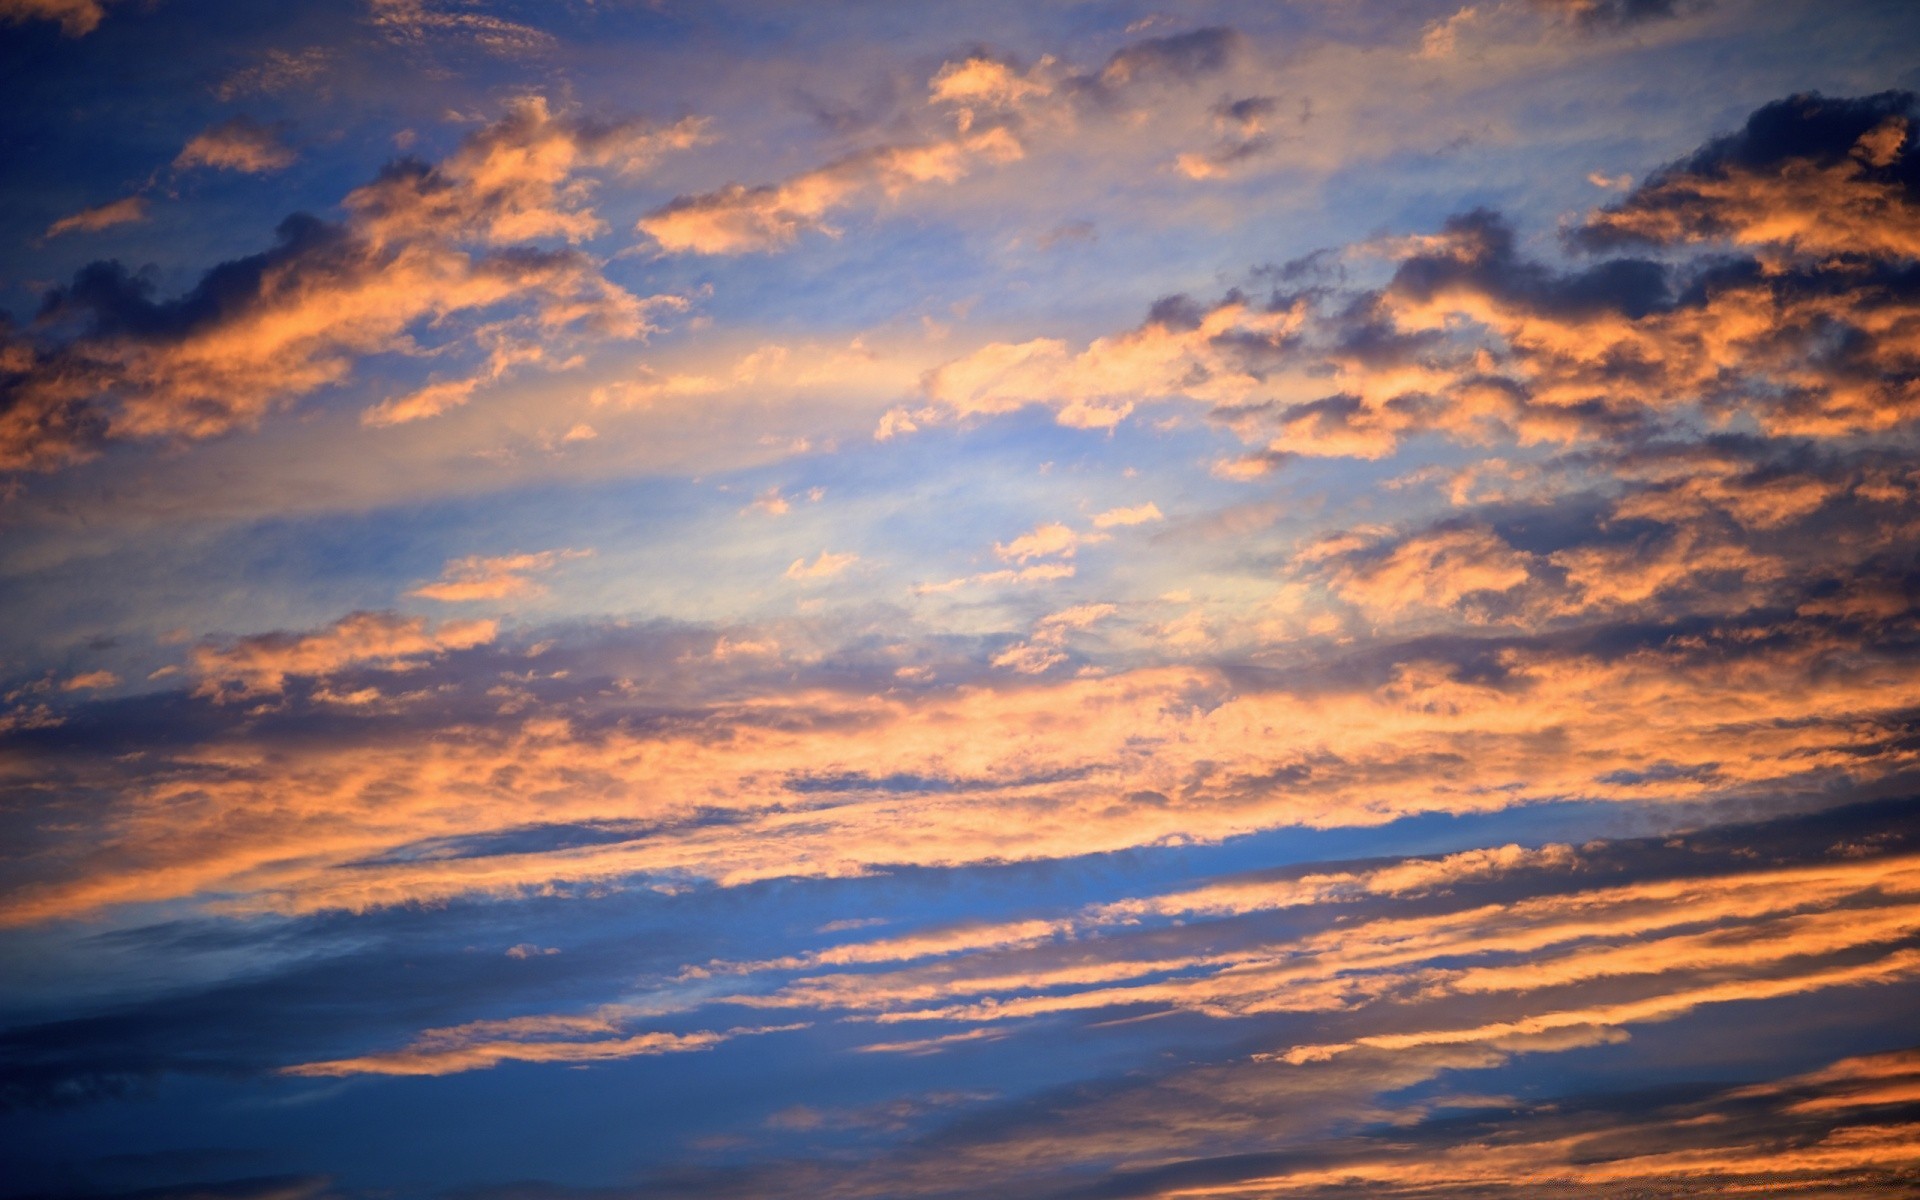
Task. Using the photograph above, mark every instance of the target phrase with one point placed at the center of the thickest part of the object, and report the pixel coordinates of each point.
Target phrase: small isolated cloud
(477, 577)
(91, 681)
(237, 145)
(530, 950)
(1051, 540)
(824, 567)
(770, 502)
(121, 212)
(1139, 514)
(75, 17)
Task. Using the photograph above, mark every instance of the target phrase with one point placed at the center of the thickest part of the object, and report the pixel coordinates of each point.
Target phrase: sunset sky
(612, 599)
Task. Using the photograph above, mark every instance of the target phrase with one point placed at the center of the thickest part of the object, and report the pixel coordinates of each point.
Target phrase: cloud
(1472, 341)
(277, 71)
(1176, 58)
(1048, 540)
(741, 220)
(260, 664)
(825, 566)
(91, 681)
(1603, 14)
(1441, 37)
(1701, 1142)
(76, 18)
(1045, 648)
(1139, 514)
(425, 21)
(1045, 572)
(484, 1044)
(1810, 175)
(1179, 351)
(497, 578)
(991, 104)
(235, 145)
(124, 211)
(1437, 569)
(423, 248)
(1027, 768)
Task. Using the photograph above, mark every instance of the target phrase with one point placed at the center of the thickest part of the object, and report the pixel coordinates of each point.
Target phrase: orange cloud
(260, 664)
(236, 145)
(497, 578)
(295, 319)
(825, 566)
(124, 211)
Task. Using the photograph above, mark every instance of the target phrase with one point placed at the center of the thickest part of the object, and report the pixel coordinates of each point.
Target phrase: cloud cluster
(1474, 341)
(424, 250)
(260, 664)
(991, 106)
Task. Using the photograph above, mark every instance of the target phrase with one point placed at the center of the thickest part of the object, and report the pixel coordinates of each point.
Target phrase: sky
(1063, 600)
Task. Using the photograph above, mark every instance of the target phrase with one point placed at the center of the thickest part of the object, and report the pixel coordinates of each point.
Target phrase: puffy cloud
(517, 179)
(1048, 540)
(258, 332)
(1810, 174)
(1180, 351)
(1437, 569)
(235, 145)
(1046, 647)
(1472, 340)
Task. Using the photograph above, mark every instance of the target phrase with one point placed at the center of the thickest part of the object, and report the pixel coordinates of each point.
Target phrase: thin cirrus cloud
(1390, 669)
(125, 211)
